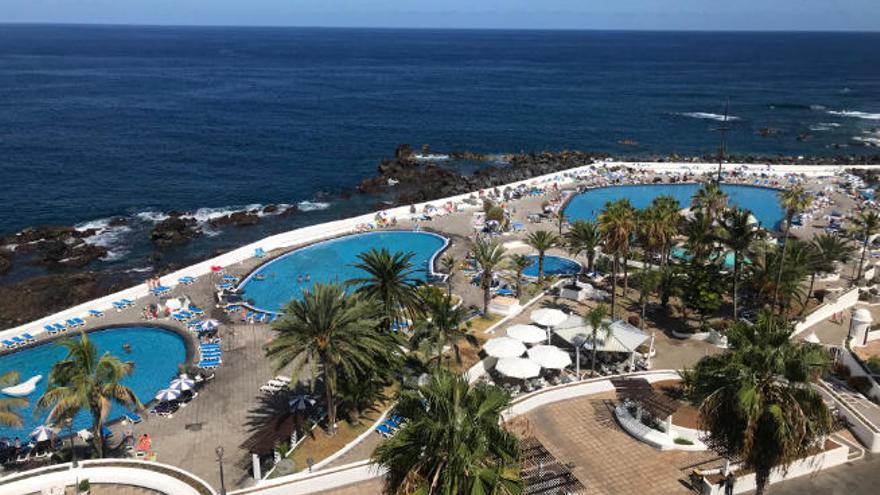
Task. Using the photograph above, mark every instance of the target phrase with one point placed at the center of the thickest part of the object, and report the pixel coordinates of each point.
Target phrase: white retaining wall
(855, 369)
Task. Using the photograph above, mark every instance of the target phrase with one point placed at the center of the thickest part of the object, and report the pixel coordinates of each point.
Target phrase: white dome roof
(862, 315)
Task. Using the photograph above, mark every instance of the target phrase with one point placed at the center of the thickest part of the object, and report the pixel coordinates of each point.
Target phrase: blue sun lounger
(51, 329)
(384, 430)
(134, 418)
(79, 321)
(59, 327)
(196, 310)
(186, 280)
(19, 341)
(96, 313)
(29, 337)
(10, 344)
(106, 432)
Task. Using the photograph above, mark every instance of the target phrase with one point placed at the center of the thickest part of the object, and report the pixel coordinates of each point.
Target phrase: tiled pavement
(607, 460)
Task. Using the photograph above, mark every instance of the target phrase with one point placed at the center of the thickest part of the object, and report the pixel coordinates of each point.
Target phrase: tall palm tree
(793, 201)
(83, 380)
(868, 224)
(617, 223)
(830, 250)
(560, 220)
(650, 231)
(441, 324)
(519, 262)
(449, 265)
(332, 332)
(9, 415)
(390, 280)
(451, 441)
(668, 211)
(756, 401)
(542, 241)
(738, 234)
(701, 233)
(711, 200)
(489, 256)
(763, 277)
(595, 318)
(584, 237)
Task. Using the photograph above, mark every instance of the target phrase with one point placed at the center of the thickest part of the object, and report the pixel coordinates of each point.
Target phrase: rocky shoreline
(408, 177)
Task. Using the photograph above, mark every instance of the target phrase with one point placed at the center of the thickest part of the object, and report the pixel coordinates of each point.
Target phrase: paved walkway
(860, 477)
(605, 458)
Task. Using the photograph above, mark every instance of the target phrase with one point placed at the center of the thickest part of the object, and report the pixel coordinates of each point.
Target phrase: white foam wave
(203, 215)
(98, 224)
(312, 205)
(817, 107)
(430, 157)
(140, 270)
(151, 216)
(707, 115)
(855, 114)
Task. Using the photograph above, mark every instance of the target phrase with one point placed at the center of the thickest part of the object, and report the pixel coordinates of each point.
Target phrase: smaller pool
(553, 265)
(156, 354)
(680, 253)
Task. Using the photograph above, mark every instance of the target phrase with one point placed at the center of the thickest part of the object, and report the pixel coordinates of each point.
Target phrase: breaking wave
(312, 205)
(707, 115)
(855, 114)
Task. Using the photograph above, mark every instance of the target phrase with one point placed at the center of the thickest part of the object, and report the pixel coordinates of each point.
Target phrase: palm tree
(9, 415)
(616, 222)
(793, 200)
(763, 277)
(701, 234)
(449, 265)
(738, 234)
(332, 332)
(519, 262)
(757, 402)
(489, 255)
(542, 241)
(711, 200)
(85, 380)
(560, 220)
(868, 224)
(584, 237)
(390, 281)
(830, 250)
(451, 441)
(668, 211)
(595, 318)
(441, 325)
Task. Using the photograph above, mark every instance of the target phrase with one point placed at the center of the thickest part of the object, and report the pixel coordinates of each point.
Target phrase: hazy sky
(565, 14)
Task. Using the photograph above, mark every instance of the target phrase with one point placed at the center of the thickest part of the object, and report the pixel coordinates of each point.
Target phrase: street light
(219, 452)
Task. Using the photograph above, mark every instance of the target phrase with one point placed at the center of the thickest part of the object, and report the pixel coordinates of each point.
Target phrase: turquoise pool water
(155, 352)
(284, 278)
(553, 265)
(681, 254)
(761, 201)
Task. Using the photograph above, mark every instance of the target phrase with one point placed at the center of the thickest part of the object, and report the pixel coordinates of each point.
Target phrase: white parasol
(516, 367)
(528, 334)
(550, 357)
(504, 347)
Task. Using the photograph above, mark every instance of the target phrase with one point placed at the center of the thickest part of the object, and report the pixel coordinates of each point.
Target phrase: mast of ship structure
(722, 130)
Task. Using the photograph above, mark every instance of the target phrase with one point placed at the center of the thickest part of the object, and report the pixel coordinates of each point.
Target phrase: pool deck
(218, 416)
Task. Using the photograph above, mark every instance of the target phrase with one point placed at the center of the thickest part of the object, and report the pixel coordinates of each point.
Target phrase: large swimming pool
(284, 278)
(156, 354)
(762, 201)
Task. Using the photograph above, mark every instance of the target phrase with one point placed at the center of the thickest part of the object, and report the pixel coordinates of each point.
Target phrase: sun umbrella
(42, 433)
(549, 356)
(182, 383)
(301, 402)
(208, 325)
(167, 394)
(516, 367)
(528, 334)
(503, 347)
(548, 317)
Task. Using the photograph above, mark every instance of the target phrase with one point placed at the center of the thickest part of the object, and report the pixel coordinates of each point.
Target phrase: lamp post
(219, 452)
(578, 341)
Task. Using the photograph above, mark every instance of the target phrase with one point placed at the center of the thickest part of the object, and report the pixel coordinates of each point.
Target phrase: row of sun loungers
(259, 317)
(19, 341)
(186, 280)
(275, 385)
(123, 304)
(188, 314)
(210, 355)
(161, 290)
(390, 426)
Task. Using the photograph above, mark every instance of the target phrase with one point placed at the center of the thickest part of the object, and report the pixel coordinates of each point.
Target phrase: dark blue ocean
(137, 121)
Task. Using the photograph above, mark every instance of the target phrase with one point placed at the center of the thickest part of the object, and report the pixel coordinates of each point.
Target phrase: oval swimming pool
(553, 265)
(762, 201)
(284, 278)
(156, 354)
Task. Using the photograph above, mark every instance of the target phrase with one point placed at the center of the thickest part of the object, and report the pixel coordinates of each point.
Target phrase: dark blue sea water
(103, 121)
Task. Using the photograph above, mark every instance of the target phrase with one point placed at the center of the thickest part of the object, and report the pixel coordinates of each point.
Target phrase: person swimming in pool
(308, 277)
(126, 347)
(299, 279)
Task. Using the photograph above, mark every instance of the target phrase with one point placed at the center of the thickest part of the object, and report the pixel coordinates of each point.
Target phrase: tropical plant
(9, 415)
(334, 334)
(390, 280)
(668, 214)
(868, 224)
(793, 201)
(449, 265)
(668, 285)
(451, 441)
(764, 280)
(617, 223)
(738, 234)
(519, 262)
(85, 380)
(701, 234)
(701, 291)
(830, 250)
(595, 318)
(441, 324)
(756, 401)
(560, 220)
(710, 200)
(649, 281)
(542, 241)
(489, 256)
(584, 237)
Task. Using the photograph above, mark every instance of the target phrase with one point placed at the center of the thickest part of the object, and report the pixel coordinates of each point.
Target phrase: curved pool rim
(571, 197)
(431, 261)
(566, 258)
(188, 345)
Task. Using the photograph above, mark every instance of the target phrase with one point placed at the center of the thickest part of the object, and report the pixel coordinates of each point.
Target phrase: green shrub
(84, 485)
(682, 441)
(874, 364)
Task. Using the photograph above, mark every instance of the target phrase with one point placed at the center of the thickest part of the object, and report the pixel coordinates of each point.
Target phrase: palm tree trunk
(331, 405)
(614, 267)
(735, 285)
(591, 257)
(541, 267)
(593, 359)
(487, 287)
(625, 273)
(862, 260)
(781, 264)
(809, 294)
(99, 438)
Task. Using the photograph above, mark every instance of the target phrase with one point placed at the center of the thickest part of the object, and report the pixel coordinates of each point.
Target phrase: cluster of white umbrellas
(510, 349)
(177, 386)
